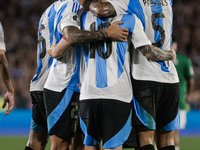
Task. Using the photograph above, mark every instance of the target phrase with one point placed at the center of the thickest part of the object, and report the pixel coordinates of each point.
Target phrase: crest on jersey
(75, 18)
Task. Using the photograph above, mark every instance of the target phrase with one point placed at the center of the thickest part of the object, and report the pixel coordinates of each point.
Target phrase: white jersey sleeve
(71, 15)
(139, 37)
(2, 43)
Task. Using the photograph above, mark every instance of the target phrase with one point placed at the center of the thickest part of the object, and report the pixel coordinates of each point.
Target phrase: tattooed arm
(104, 9)
(75, 36)
(156, 54)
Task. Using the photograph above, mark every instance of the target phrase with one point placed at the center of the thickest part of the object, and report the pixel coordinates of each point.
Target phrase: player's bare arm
(156, 54)
(104, 9)
(5, 76)
(75, 36)
(57, 50)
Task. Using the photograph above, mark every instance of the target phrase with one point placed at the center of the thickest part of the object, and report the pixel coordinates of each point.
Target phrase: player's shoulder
(70, 6)
(70, 3)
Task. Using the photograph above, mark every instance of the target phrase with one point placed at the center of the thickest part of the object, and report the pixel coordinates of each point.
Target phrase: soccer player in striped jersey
(61, 89)
(5, 75)
(155, 84)
(38, 136)
(107, 82)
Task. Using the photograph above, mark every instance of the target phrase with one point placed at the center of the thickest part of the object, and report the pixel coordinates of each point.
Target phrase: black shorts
(62, 112)
(107, 120)
(38, 111)
(156, 105)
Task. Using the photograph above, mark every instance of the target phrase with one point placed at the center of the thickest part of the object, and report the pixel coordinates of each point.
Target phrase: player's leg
(146, 137)
(58, 143)
(168, 117)
(116, 123)
(95, 147)
(165, 139)
(38, 136)
(62, 111)
(117, 148)
(176, 139)
(183, 121)
(37, 139)
(90, 121)
(77, 143)
(144, 112)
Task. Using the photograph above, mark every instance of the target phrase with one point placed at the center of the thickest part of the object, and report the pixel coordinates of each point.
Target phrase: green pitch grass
(19, 143)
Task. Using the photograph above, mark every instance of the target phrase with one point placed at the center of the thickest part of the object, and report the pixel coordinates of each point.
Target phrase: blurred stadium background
(20, 21)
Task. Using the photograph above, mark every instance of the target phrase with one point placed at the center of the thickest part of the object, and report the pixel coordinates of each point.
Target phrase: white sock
(177, 148)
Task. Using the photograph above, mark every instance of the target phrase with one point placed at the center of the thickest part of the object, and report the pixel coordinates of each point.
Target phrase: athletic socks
(177, 148)
(171, 147)
(147, 147)
(28, 148)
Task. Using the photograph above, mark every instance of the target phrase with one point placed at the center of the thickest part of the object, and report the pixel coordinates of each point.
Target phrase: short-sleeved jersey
(156, 17)
(65, 71)
(185, 71)
(45, 40)
(108, 62)
(2, 43)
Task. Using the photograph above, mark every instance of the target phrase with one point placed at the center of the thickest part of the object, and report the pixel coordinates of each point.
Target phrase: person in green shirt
(185, 72)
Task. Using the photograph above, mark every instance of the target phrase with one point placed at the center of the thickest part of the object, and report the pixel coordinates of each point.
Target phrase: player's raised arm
(104, 9)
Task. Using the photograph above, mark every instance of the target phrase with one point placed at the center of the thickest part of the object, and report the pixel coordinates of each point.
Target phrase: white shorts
(183, 119)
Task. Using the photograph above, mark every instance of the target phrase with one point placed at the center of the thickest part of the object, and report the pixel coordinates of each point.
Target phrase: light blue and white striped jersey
(156, 17)
(2, 43)
(108, 62)
(45, 40)
(65, 72)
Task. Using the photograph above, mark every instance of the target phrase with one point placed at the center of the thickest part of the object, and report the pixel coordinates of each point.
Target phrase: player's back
(45, 40)
(108, 64)
(156, 17)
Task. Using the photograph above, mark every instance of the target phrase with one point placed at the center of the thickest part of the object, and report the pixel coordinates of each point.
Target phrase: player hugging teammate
(119, 57)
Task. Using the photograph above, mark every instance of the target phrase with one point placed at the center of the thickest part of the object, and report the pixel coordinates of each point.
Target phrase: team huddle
(105, 77)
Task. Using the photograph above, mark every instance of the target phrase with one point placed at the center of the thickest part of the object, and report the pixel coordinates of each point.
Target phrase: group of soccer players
(109, 75)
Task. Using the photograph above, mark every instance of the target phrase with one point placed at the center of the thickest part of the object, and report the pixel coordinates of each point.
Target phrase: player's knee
(59, 143)
(171, 147)
(147, 147)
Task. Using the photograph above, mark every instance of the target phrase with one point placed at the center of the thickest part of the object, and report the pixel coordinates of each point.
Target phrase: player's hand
(9, 98)
(174, 54)
(116, 33)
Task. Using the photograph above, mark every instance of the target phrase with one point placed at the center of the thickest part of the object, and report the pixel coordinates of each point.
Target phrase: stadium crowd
(20, 21)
